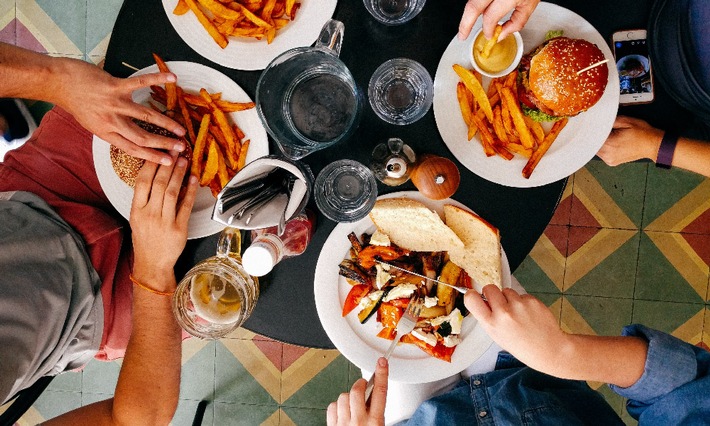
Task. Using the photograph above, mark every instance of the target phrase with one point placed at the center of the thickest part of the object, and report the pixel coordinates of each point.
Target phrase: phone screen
(634, 66)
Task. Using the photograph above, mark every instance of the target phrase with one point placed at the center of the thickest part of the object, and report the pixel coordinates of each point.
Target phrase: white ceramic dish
(191, 77)
(359, 342)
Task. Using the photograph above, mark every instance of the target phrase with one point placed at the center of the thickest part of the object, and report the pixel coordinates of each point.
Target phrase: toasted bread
(412, 226)
(481, 255)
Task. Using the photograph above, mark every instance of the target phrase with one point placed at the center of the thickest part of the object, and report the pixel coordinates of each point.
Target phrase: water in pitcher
(321, 106)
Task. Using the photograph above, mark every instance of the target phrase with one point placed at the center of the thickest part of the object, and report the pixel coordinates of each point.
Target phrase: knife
(461, 290)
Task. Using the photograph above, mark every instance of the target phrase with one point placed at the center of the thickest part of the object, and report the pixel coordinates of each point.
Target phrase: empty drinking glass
(394, 12)
(401, 91)
(345, 191)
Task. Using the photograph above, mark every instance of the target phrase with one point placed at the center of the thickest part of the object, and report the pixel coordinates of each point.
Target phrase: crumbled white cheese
(428, 338)
(451, 340)
(400, 292)
(382, 276)
(370, 298)
(430, 301)
(454, 318)
(380, 239)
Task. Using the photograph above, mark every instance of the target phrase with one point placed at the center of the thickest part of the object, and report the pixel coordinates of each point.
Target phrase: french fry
(180, 8)
(498, 127)
(212, 163)
(243, 155)
(218, 37)
(170, 88)
(251, 16)
(516, 114)
(464, 106)
(543, 147)
(486, 137)
(222, 172)
(486, 51)
(535, 128)
(475, 87)
(503, 151)
(186, 115)
(516, 148)
(511, 79)
(219, 10)
(508, 121)
(199, 147)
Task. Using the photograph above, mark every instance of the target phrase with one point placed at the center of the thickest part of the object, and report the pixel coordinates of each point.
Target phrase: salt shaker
(268, 248)
(392, 162)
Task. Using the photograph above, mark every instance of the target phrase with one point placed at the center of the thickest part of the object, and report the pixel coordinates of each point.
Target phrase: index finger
(477, 306)
(378, 399)
(144, 80)
(471, 12)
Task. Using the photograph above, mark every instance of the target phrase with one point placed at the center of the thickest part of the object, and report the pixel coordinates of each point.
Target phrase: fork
(405, 326)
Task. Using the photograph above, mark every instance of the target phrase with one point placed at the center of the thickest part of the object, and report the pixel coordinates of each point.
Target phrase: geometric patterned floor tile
(543, 269)
(245, 414)
(8, 28)
(100, 17)
(323, 388)
(101, 377)
(197, 382)
(53, 403)
(682, 320)
(69, 381)
(58, 27)
(604, 264)
(595, 315)
(302, 416)
(186, 410)
(678, 198)
(244, 375)
(562, 212)
(670, 270)
(706, 330)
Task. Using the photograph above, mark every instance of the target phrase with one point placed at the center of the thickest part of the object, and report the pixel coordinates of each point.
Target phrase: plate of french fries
(247, 34)
(224, 132)
(482, 123)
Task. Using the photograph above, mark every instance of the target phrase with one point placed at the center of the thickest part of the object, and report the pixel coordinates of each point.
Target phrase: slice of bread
(412, 226)
(480, 257)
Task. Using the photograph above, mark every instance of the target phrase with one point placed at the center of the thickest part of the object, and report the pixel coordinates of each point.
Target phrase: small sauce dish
(504, 58)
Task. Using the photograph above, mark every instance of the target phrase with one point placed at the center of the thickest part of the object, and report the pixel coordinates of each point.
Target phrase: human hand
(493, 11)
(102, 104)
(159, 218)
(520, 324)
(630, 139)
(350, 409)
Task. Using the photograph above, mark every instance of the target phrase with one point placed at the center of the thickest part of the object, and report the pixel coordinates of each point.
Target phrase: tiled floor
(627, 244)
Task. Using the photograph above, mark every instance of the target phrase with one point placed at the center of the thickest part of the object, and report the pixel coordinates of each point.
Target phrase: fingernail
(179, 131)
(172, 78)
(182, 162)
(382, 362)
(180, 147)
(193, 180)
(166, 161)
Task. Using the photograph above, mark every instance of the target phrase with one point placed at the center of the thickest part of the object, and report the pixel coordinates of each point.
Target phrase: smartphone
(634, 66)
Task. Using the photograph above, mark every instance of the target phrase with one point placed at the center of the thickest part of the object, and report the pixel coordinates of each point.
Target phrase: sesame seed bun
(126, 166)
(554, 80)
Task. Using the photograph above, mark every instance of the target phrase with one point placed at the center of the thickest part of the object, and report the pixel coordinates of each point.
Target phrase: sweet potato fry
(475, 87)
(218, 37)
(170, 88)
(543, 147)
(198, 149)
(219, 10)
(516, 114)
(212, 163)
(222, 172)
(227, 106)
(181, 8)
(243, 155)
(251, 16)
(187, 120)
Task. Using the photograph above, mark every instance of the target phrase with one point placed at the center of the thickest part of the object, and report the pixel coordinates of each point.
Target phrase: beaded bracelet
(145, 287)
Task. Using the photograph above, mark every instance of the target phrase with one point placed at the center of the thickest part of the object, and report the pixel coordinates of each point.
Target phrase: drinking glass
(307, 98)
(394, 12)
(217, 295)
(345, 191)
(401, 91)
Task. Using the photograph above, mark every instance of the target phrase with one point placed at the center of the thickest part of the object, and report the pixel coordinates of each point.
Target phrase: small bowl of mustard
(504, 56)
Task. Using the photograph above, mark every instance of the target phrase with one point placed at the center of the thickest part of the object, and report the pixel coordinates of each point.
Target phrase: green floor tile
(197, 379)
(625, 184)
(69, 381)
(88, 398)
(100, 377)
(69, 16)
(674, 315)
(533, 278)
(658, 279)
(100, 18)
(305, 416)
(242, 414)
(612, 398)
(605, 315)
(628, 420)
(354, 373)
(612, 277)
(669, 186)
(548, 298)
(54, 403)
(233, 383)
(324, 388)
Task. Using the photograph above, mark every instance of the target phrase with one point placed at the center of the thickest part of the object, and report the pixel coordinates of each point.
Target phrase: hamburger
(127, 166)
(550, 87)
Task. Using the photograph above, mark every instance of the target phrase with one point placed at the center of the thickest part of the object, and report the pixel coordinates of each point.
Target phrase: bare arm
(101, 103)
(149, 382)
(526, 328)
(633, 139)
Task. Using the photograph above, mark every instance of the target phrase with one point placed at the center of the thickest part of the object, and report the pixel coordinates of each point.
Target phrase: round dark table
(286, 309)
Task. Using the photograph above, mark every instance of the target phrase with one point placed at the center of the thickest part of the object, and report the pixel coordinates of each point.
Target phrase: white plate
(359, 342)
(578, 142)
(191, 77)
(247, 53)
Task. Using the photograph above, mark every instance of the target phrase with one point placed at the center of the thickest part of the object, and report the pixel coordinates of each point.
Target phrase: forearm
(693, 155)
(149, 383)
(615, 360)
(30, 75)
